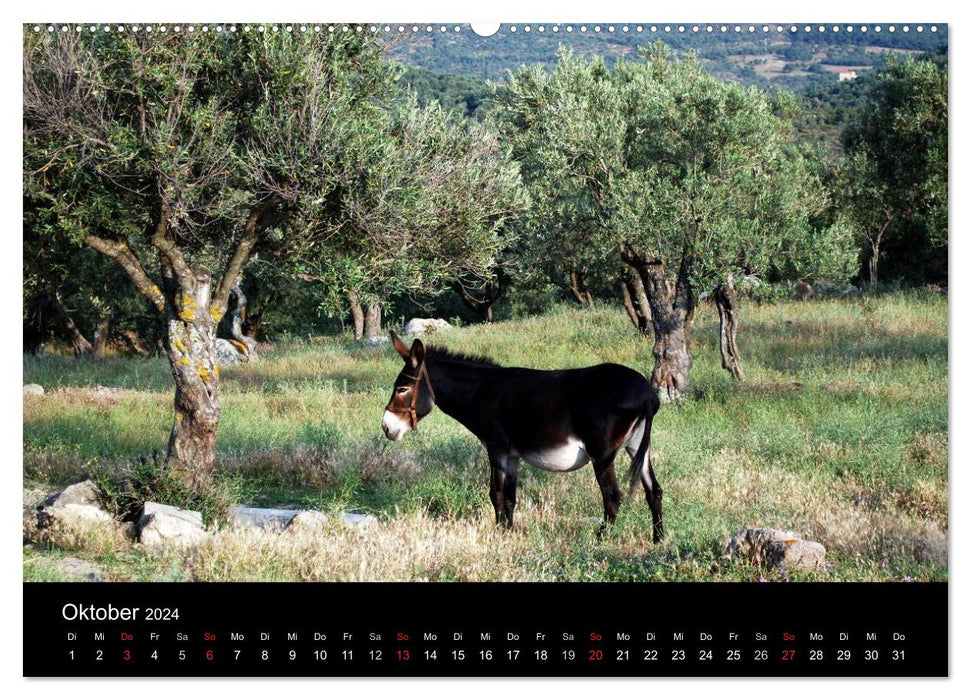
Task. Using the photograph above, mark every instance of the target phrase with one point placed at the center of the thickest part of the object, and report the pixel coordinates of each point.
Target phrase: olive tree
(424, 211)
(566, 128)
(656, 165)
(894, 174)
(176, 155)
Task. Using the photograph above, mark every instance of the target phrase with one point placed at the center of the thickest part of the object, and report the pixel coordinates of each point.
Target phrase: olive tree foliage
(425, 210)
(566, 128)
(893, 177)
(716, 190)
(178, 155)
(686, 180)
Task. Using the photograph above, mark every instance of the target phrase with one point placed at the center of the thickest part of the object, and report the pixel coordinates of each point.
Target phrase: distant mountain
(454, 67)
(786, 59)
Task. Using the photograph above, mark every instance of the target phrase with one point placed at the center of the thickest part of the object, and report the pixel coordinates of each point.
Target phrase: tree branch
(252, 232)
(124, 256)
(171, 252)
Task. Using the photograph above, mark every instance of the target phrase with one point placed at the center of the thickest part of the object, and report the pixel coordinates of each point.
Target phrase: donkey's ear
(400, 347)
(417, 353)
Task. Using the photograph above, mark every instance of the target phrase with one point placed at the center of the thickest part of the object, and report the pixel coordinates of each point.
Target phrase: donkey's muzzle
(393, 426)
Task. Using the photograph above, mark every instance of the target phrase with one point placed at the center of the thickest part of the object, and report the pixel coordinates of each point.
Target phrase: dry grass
(415, 547)
(847, 519)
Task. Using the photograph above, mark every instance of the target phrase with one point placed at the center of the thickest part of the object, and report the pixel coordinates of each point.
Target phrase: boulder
(76, 507)
(425, 326)
(33, 390)
(262, 518)
(161, 525)
(776, 548)
(85, 493)
(798, 555)
(308, 521)
(228, 354)
(74, 516)
(358, 520)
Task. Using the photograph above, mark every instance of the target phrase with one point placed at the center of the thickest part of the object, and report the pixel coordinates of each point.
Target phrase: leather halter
(412, 413)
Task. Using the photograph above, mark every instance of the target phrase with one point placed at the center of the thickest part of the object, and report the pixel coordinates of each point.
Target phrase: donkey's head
(412, 397)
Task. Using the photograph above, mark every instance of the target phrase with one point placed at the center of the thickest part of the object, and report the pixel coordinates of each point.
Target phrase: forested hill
(786, 59)
(455, 69)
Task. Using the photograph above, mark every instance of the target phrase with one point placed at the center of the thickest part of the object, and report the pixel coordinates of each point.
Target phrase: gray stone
(798, 555)
(75, 516)
(358, 520)
(85, 493)
(228, 354)
(161, 524)
(377, 340)
(33, 498)
(77, 506)
(262, 518)
(425, 326)
(308, 521)
(776, 548)
(33, 390)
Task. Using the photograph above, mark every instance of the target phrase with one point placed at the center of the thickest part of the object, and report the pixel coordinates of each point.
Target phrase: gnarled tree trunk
(372, 320)
(101, 332)
(191, 311)
(239, 316)
(635, 300)
(191, 348)
(874, 262)
(726, 301)
(579, 288)
(80, 344)
(672, 310)
(357, 314)
(483, 300)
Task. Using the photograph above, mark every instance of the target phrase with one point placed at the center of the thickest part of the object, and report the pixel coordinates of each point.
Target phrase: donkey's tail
(644, 449)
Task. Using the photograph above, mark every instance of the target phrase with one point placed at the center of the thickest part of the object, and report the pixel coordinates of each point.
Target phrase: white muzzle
(394, 427)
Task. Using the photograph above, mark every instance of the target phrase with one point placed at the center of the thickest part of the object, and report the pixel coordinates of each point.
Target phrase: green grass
(840, 434)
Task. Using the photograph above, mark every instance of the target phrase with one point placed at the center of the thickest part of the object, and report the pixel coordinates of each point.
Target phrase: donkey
(555, 420)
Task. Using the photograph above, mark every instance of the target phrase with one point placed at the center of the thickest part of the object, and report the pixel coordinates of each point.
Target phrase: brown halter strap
(412, 413)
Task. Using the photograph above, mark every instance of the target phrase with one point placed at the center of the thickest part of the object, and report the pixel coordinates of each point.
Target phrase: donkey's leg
(652, 489)
(607, 480)
(509, 488)
(502, 485)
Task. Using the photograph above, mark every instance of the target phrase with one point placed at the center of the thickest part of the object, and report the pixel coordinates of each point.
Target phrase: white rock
(308, 521)
(33, 390)
(262, 518)
(84, 493)
(227, 353)
(359, 520)
(161, 524)
(78, 514)
(425, 326)
(79, 505)
(776, 548)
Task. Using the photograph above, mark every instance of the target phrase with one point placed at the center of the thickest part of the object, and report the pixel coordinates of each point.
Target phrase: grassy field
(840, 434)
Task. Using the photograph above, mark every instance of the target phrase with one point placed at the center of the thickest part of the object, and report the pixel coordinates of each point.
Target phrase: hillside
(786, 59)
